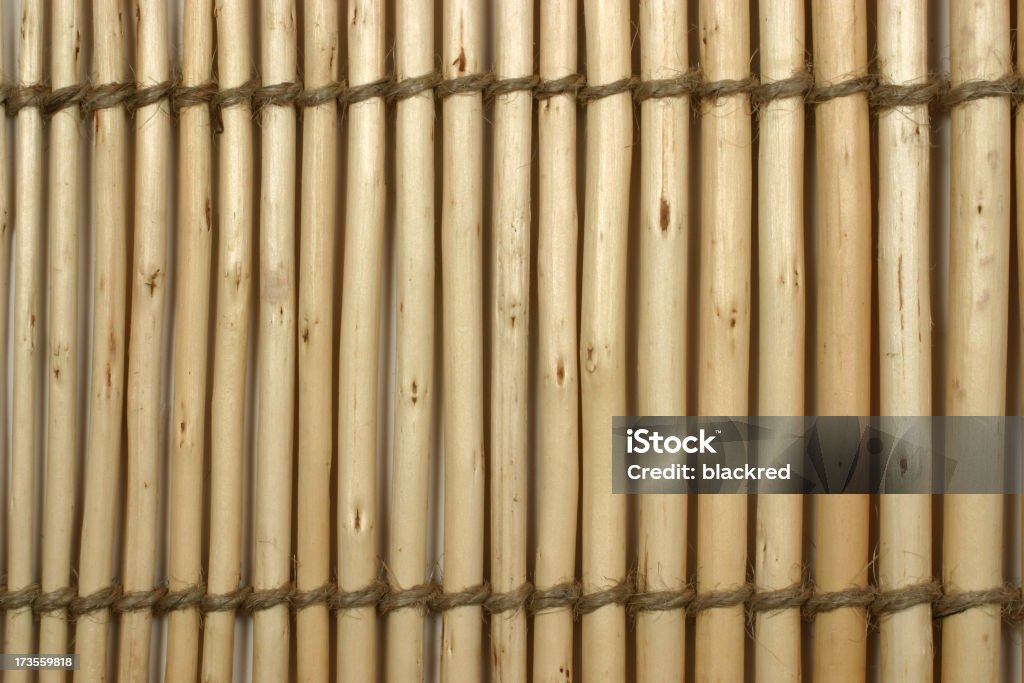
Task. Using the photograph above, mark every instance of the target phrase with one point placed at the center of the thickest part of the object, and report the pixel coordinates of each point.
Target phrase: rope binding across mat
(90, 98)
(431, 597)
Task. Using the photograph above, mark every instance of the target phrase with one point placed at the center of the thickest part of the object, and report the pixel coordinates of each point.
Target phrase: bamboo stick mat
(314, 317)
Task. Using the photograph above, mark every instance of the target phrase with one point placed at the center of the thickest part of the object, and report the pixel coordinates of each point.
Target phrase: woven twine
(432, 598)
(90, 98)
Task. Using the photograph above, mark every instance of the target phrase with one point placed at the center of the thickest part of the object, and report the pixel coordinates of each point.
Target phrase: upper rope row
(89, 98)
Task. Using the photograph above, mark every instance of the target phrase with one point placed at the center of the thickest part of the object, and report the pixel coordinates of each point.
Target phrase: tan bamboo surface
(557, 354)
(145, 339)
(391, 459)
(360, 344)
(272, 564)
(315, 419)
(232, 320)
(109, 341)
(64, 340)
(1019, 190)
(843, 321)
(905, 335)
(724, 349)
(415, 275)
(192, 311)
(602, 345)
(29, 304)
(462, 339)
(6, 236)
(661, 356)
(782, 285)
(979, 263)
(510, 327)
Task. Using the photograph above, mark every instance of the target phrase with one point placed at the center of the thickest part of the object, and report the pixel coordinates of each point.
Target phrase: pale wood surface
(977, 331)
(29, 311)
(724, 353)
(778, 559)
(64, 342)
(662, 352)
(843, 320)
(603, 330)
(360, 343)
(905, 544)
(462, 340)
(510, 339)
(232, 321)
(110, 296)
(414, 391)
(316, 340)
(557, 356)
(188, 429)
(272, 551)
(145, 340)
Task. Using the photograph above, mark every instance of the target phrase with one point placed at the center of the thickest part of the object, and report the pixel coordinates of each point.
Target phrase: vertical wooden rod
(6, 233)
(661, 357)
(316, 340)
(231, 336)
(106, 399)
(145, 340)
(843, 320)
(904, 328)
(603, 331)
(360, 342)
(191, 335)
(510, 339)
(415, 235)
(29, 303)
(558, 405)
(978, 322)
(724, 354)
(462, 339)
(782, 325)
(64, 342)
(272, 561)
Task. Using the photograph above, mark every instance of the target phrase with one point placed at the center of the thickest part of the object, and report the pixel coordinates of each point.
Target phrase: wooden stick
(978, 324)
(1019, 151)
(188, 421)
(272, 561)
(661, 357)
(62, 442)
(29, 300)
(145, 342)
(360, 344)
(844, 320)
(603, 331)
(781, 349)
(231, 338)
(725, 323)
(315, 341)
(6, 233)
(904, 327)
(558, 407)
(510, 339)
(103, 445)
(462, 340)
(415, 223)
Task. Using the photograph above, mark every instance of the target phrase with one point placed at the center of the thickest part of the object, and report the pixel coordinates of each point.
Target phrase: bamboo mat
(314, 317)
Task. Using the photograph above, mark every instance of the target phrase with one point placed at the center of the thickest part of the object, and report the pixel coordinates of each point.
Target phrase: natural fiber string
(91, 98)
(431, 598)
